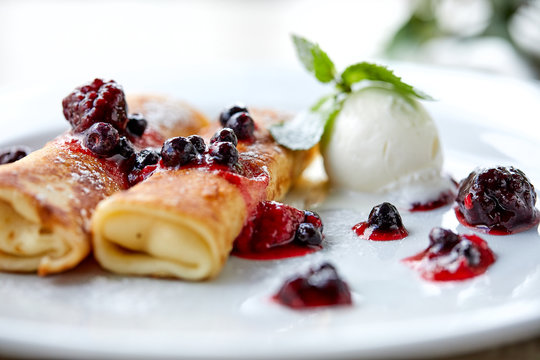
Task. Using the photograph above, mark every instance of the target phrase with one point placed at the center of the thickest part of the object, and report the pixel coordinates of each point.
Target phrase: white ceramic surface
(483, 120)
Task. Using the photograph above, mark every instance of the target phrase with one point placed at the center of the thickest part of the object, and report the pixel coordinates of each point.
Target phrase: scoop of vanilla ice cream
(378, 139)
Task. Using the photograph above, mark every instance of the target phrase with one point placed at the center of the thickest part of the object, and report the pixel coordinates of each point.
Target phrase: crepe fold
(47, 198)
(182, 223)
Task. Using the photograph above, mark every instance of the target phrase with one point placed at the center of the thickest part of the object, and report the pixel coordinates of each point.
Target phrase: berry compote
(384, 223)
(450, 256)
(101, 127)
(321, 286)
(498, 201)
(277, 231)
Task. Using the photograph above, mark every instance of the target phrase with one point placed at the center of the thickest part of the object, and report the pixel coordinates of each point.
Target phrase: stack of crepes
(182, 222)
(47, 198)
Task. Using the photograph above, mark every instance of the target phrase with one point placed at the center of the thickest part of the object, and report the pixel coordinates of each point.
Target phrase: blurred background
(73, 40)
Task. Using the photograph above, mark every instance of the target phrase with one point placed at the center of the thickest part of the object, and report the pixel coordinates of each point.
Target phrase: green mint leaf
(301, 133)
(306, 129)
(314, 59)
(374, 72)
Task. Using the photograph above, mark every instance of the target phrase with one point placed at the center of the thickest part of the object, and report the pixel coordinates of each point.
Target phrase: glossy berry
(229, 111)
(13, 154)
(198, 143)
(321, 286)
(136, 124)
(125, 148)
(500, 198)
(144, 158)
(177, 151)
(98, 101)
(442, 240)
(225, 135)
(242, 124)
(224, 153)
(102, 139)
(385, 217)
(277, 224)
(308, 234)
(313, 218)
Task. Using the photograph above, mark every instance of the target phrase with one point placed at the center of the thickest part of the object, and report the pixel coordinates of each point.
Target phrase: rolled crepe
(48, 197)
(182, 223)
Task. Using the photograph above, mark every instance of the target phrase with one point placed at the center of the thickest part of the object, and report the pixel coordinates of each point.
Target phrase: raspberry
(98, 101)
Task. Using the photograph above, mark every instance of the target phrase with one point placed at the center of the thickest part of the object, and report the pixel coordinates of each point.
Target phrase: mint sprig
(308, 127)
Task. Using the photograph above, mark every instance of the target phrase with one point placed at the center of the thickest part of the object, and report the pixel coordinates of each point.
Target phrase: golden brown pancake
(182, 223)
(48, 197)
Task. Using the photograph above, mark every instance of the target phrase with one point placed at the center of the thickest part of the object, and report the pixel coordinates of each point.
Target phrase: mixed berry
(276, 226)
(384, 223)
(450, 256)
(321, 286)
(13, 154)
(500, 200)
(98, 112)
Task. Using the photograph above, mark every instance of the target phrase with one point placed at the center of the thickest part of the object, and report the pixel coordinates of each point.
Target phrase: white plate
(483, 120)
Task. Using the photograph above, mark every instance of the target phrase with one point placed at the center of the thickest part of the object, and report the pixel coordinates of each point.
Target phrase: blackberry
(98, 101)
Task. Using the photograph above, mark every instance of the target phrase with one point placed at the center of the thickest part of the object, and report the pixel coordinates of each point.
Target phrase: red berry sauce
(367, 232)
(270, 233)
(384, 223)
(320, 287)
(445, 198)
(452, 257)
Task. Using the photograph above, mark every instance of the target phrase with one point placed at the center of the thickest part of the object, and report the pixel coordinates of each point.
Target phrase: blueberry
(224, 153)
(442, 240)
(136, 124)
(13, 154)
(313, 218)
(242, 124)
(102, 139)
(308, 234)
(177, 151)
(225, 135)
(144, 158)
(231, 110)
(125, 148)
(385, 217)
(198, 143)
